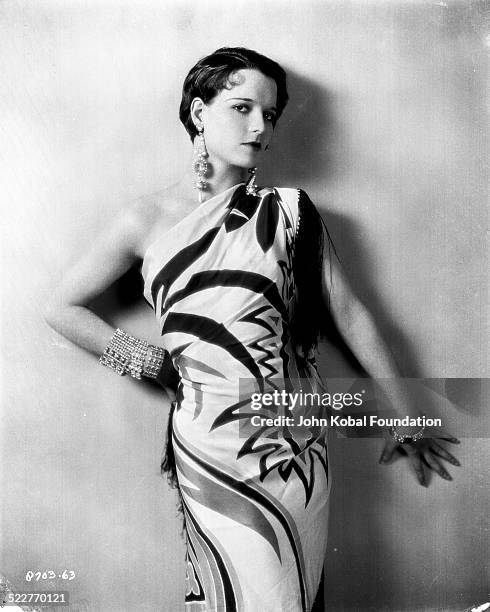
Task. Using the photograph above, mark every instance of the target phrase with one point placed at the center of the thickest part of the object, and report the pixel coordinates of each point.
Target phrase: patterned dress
(255, 497)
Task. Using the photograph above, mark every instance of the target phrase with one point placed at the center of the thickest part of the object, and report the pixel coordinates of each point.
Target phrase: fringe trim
(168, 467)
(310, 319)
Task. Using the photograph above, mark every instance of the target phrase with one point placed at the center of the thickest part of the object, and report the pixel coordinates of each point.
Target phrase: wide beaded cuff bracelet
(126, 354)
(154, 361)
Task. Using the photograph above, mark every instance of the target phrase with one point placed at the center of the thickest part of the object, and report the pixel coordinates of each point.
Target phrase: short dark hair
(211, 74)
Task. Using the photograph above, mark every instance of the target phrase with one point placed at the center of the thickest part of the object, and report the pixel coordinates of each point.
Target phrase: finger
(170, 393)
(409, 448)
(438, 432)
(388, 451)
(436, 466)
(437, 449)
(416, 462)
(447, 438)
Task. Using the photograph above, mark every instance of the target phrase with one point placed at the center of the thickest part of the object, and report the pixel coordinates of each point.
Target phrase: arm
(108, 258)
(359, 330)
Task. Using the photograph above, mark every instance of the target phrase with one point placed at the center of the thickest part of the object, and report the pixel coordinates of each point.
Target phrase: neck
(218, 179)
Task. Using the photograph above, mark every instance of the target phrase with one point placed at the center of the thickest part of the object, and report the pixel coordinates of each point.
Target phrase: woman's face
(238, 122)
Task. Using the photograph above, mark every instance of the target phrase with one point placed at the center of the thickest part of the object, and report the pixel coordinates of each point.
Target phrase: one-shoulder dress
(255, 499)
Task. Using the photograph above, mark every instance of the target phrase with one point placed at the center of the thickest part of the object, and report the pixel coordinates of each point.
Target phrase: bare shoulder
(153, 214)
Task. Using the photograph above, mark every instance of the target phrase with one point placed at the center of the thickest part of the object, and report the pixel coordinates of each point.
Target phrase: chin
(242, 161)
(242, 165)
(248, 161)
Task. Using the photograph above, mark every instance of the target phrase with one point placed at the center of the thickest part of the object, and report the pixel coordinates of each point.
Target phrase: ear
(197, 111)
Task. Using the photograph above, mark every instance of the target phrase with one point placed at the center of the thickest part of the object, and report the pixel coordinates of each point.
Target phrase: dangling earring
(251, 187)
(199, 163)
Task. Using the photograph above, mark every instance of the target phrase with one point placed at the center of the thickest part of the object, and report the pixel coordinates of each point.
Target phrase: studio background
(387, 132)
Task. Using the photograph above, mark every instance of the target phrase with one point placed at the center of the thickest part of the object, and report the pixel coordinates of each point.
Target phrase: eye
(241, 108)
(270, 117)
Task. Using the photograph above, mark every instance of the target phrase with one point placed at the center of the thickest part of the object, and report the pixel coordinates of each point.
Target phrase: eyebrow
(250, 100)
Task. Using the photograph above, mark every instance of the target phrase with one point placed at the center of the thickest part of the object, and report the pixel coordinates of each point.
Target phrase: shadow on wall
(311, 145)
(308, 142)
(125, 293)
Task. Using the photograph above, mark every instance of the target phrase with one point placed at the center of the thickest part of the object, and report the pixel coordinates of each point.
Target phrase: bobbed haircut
(212, 74)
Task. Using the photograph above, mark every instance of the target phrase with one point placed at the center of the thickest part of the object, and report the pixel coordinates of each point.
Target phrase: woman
(241, 287)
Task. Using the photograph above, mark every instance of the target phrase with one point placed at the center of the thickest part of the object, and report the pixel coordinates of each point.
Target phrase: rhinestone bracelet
(404, 439)
(155, 358)
(126, 354)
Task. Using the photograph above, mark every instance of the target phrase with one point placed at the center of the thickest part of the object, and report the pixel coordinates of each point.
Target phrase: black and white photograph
(244, 306)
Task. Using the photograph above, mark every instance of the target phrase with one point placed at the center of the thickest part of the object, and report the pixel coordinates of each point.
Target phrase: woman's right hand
(169, 379)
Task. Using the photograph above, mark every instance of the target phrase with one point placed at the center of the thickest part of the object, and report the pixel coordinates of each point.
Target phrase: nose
(257, 122)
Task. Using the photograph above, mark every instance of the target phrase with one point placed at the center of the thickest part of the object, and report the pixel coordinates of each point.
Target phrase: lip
(256, 145)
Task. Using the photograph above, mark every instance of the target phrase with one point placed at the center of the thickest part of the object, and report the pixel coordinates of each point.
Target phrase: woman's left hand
(426, 451)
